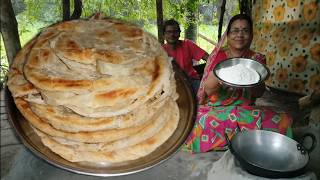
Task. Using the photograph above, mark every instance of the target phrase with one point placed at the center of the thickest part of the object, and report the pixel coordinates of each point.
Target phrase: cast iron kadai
(270, 154)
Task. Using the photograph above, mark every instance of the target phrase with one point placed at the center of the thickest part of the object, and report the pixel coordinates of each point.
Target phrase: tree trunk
(77, 9)
(245, 7)
(160, 21)
(66, 10)
(223, 9)
(192, 19)
(9, 30)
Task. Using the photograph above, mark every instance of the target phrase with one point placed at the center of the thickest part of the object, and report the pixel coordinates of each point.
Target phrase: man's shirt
(184, 54)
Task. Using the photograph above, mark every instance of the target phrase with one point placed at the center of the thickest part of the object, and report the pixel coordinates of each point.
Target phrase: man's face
(172, 34)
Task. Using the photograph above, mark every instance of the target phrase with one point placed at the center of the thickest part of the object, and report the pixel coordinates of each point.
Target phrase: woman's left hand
(257, 91)
(211, 85)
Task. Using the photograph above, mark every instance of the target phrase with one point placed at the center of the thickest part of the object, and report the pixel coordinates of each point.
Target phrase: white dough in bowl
(239, 74)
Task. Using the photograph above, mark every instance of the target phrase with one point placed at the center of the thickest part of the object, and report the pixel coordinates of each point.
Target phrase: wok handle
(314, 141)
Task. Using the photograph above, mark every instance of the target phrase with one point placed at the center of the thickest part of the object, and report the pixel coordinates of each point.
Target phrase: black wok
(270, 154)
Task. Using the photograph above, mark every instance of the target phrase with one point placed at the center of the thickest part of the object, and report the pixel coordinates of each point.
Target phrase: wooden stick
(207, 39)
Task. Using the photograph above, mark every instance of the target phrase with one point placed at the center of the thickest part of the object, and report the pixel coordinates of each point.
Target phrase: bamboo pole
(207, 39)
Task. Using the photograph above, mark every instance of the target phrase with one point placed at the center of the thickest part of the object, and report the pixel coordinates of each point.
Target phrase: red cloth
(220, 57)
(184, 54)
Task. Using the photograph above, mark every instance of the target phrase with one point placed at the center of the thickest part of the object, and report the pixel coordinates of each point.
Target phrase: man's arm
(205, 56)
(197, 52)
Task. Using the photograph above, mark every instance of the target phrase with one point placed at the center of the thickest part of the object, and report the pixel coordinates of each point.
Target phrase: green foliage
(139, 12)
(40, 10)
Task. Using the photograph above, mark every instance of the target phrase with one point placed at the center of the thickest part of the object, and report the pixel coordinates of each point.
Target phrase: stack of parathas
(96, 90)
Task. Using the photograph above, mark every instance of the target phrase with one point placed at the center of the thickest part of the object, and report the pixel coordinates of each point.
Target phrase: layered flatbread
(141, 149)
(99, 91)
(62, 118)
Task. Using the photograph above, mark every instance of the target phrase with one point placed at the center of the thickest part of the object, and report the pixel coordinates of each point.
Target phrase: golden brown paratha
(90, 137)
(161, 117)
(99, 90)
(76, 66)
(120, 155)
(63, 119)
(17, 84)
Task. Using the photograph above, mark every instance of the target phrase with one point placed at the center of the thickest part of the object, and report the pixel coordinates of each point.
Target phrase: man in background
(183, 51)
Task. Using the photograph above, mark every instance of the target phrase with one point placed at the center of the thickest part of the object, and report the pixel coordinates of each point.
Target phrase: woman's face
(240, 35)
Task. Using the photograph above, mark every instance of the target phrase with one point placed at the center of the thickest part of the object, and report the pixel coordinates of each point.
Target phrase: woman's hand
(257, 91)
(211, 85)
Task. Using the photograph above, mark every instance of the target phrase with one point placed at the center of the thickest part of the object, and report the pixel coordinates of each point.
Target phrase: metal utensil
(261, 69)
(270, 154)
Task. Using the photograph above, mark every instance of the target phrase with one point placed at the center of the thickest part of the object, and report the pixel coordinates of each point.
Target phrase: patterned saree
(230, 111)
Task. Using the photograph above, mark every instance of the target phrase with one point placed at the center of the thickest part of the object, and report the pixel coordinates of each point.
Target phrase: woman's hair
(170, 22)
(240, 17)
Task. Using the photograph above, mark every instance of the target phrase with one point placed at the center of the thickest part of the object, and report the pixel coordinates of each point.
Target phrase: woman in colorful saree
(223, 110)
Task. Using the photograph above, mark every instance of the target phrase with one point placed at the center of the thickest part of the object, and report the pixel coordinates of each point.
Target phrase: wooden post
(223, 8)
(77, 9)
(9, 30)
(245, 7)
(66, 10)
(160, 21)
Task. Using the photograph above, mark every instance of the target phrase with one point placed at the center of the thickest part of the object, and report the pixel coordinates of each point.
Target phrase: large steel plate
(187, 106)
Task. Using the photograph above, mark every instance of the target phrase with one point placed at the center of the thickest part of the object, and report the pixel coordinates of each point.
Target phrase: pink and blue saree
(229, 111)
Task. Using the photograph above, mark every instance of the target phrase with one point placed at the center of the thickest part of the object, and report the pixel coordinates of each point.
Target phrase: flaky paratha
(82, 51)
(89, 137)
(108, 111)
(71, 68)
(62, 118)
(120, 155)
(161, 117)
(17, 84)
(96, 90)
